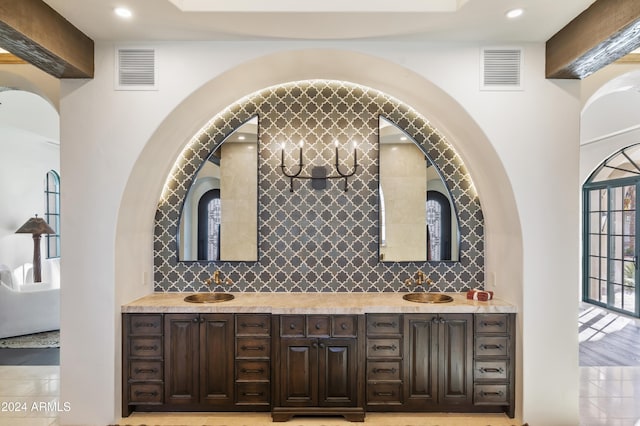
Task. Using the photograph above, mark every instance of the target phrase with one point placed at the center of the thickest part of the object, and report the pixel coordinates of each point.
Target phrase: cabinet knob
(322, 345)
(195, 320)
(318, 326)
(344, 326)
(292, 326)
(314, 345)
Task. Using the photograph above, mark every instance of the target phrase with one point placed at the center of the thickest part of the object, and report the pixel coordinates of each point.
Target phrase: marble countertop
(314, 303)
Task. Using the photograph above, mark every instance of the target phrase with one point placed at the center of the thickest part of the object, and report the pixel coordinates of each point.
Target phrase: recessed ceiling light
(514, 13)
(123, 12)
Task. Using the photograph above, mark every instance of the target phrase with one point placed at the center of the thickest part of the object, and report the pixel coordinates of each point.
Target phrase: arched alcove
(134, 236)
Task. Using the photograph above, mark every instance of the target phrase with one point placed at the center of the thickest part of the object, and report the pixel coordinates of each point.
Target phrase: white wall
(28, 124)
(124, 143)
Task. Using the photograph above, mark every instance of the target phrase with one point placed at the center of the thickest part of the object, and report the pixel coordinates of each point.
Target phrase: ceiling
(405, 20)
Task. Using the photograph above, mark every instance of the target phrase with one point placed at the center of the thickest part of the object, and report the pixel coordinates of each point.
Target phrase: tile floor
(29, 397)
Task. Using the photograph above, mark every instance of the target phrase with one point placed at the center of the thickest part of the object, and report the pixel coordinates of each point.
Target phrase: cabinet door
(455, 359)
(216, 359)
(298, 372)
(182, 335)
(421, 356)
(337, 370)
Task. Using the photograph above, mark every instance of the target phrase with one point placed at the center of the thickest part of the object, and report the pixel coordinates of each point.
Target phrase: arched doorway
(611, 229)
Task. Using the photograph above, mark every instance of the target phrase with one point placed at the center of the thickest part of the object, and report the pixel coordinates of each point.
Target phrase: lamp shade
(35, 225)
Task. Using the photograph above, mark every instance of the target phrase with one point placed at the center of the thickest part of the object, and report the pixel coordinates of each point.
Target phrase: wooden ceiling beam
(605, 32)
(36, 33)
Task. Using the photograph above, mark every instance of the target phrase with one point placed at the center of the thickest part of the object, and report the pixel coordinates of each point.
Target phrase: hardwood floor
(608, 338)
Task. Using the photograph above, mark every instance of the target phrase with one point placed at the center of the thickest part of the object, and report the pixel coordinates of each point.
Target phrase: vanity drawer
(145, 393)
(145, 324)
(253, 393)
(384, 348)
(253, 347)
(145, 370)
(384, 393)
(383, 324)
(292, 325)
(490, 395)
(249, 370)
(491, 346)
(344, 326)
(253, 325)
(491, 323)
(149, 347)
(384, 370)
(318, 325)
(491, 370)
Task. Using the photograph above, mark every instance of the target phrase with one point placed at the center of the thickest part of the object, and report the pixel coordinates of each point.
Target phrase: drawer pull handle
(492, 323)
(491, 370)
(485, 347)
(145, 325)
(147, 348)
(141, 393)
(384, 370)
(385, 324)
(384, 348)
(384, 393)
(252, 393)
(253, 370)
(292, 326)
(252, 348)
(318, 326)
(344, 326)
(253, 325)
(499, 393)
(146, 370)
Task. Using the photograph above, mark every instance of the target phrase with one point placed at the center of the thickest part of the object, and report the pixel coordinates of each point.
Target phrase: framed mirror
(219, 218)
(418, 220)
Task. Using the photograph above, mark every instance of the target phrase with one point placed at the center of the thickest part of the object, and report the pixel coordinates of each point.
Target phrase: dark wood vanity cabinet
(143, 362)
(493, 362)
(438, 362)
(318, 368)
(419, 362)
(199, 359)
(196, 362)
(319, 364)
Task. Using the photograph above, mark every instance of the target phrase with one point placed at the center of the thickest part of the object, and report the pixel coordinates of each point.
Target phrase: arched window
(610, 230)
(52, 212)
(438, 226)
(209, 218)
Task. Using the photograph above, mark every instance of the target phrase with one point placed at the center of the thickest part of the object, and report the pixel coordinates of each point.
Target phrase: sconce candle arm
(345, 175)
(339, 175)
(291, 176)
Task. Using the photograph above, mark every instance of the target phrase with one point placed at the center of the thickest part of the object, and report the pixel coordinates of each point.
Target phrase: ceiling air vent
(136, 69)
(501, 69)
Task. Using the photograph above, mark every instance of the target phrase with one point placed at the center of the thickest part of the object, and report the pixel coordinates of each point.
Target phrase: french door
(610, 245)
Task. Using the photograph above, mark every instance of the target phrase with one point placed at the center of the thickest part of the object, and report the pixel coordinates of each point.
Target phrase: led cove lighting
(514, 13)
(123, 12)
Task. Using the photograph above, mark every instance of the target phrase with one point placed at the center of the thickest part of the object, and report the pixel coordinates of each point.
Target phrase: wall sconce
(36, 226)
(319, 173)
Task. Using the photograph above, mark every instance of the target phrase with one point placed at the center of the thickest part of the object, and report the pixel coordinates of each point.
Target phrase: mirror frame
(195, 176)
(454, 207)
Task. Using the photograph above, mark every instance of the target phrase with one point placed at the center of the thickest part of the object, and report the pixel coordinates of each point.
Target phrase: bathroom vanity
(318, 354)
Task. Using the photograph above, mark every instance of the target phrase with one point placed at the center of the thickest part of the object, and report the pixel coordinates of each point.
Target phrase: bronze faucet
(216, 279)
(421, 279)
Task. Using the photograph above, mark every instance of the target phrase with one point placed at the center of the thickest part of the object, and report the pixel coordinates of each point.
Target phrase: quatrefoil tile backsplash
(318, 240)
